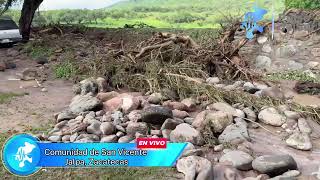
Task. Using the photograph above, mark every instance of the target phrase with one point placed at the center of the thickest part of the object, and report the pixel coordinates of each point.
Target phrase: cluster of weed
(294, 76)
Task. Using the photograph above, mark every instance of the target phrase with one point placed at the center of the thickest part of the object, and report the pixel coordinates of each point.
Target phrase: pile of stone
(96, 115)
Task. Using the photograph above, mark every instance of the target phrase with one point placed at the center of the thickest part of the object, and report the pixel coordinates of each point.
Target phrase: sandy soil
(35, 109)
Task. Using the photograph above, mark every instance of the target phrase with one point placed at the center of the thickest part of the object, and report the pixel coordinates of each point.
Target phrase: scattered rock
(65, 115)
(185, 133)
(213, 80)
(189, 120)
(175, 105)
(54, 138)
(113, 104)
(125, 139)
(109, 139)
(218, 148)
(155, 98)
(272, 117)
(102, 84)
(107, 128)
(250, 114)
(87, 86)
(192, 165)
(300, 141)
(218, 121)
(263, 62)
(129, 103)
(94, 128)
(134, 127)
(107, 96)
(180, 114)
(234, 133)
(304, 126)
(156, 114)
(42, 60)
(190, 103)
(171, 124)
(239, 159)
(292, 115)
(134, 116)
(29, 74)
(224, 107)
(274, 165)
(84, 103)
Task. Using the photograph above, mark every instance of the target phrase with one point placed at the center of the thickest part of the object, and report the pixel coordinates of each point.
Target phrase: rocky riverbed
(225, 141)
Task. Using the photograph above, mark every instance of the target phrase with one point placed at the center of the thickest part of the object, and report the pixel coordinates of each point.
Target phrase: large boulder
(84, 103)
(272, 117)
(107, 96)
(156, 114)
(129, 103)
(234, 133)
(274, 165)
(300, 141)
(194, 165)
(239, 160)
(186, 133)
(218, 121)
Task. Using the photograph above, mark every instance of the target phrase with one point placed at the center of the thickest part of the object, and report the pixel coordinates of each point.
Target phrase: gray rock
(84, 103)
(192, 152)
(239, 159)
(134, 116)
(292, 115)
(304, 126)
(73, 137)
(300, 141)
(94, 128)
(263, 62)
(117, 117)
(109, 139)
(293, 65)
(171, 124)
(274, 165)
(120, 128)
(273, 92)
(125, 139)
(29, 74)
(61, 124)
(224, 107)
(218, 121)
(234, 133)
(185, 133)
(65, 138)
(189, 120)
(192, 165)
(272, 117)
(213, 80)
(107, 128)
(65, 115)
(120, 134)
(155, 98)
(134, 127)
(156, 114)
(89, 86)
(250, 114)
(55, 138)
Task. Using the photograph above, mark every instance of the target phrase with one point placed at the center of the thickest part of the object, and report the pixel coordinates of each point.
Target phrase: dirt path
(35, 109)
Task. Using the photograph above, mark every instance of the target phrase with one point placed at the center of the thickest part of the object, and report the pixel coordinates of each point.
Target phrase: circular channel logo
(21, 155)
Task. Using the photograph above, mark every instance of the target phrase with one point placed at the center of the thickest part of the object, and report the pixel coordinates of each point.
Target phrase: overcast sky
(76, 4)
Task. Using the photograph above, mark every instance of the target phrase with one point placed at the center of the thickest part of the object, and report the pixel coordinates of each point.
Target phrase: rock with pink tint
(180, 114)
(199, 119)
(113, 104)
(135, 116)
(129, 103)
(107, 96)
(175, 105)
(190, 103)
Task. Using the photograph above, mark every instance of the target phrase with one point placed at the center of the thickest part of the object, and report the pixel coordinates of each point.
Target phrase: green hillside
(157, 13)
(183, 13)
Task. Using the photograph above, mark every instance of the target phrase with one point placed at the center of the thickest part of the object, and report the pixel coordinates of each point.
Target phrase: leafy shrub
(303, 4)
(184, 17)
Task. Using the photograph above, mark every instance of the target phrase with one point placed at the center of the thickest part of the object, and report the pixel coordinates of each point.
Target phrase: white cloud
(76, 4)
